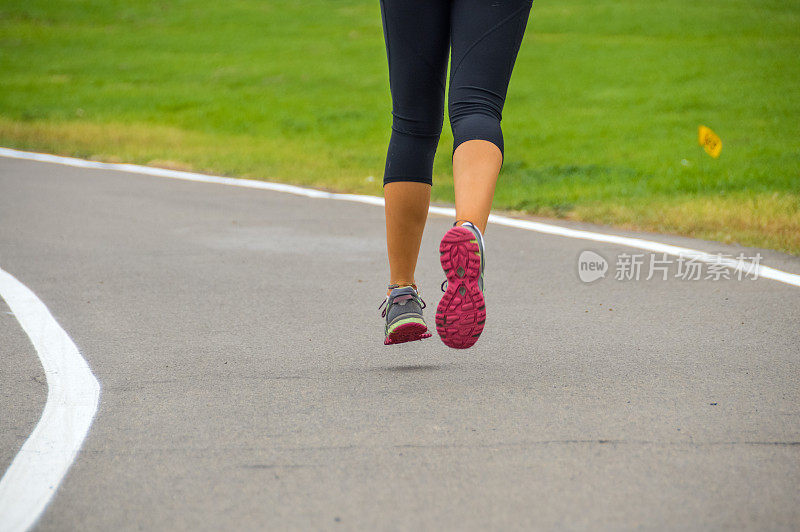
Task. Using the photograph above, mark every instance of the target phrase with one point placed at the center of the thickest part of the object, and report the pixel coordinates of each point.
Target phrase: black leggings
(485, 36)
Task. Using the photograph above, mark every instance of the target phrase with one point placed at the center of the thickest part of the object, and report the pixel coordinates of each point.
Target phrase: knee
(410, 158)
(417, 122)
(416, 127)
(475, 114)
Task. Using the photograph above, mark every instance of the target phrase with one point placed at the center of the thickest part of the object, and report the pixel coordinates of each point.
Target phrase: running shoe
(461, 313)
(402, 309)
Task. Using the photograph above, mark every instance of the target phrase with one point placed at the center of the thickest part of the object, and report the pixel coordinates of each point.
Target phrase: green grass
(600, 124)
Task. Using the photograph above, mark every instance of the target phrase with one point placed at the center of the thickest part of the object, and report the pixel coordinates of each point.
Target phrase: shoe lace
(405, 297)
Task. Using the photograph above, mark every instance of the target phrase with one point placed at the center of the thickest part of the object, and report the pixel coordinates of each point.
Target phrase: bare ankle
(400, 284)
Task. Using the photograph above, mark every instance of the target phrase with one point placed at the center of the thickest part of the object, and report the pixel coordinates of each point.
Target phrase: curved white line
(756, 270)
(73, 394)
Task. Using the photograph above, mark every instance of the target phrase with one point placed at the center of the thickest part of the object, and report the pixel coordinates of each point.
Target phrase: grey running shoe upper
(402, 303)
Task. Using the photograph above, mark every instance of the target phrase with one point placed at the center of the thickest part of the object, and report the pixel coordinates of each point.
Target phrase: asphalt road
(245, 385)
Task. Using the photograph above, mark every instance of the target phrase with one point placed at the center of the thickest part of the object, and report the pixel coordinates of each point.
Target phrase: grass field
(601, 121)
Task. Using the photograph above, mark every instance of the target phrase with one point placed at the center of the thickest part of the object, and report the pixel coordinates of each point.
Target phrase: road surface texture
(236, 337)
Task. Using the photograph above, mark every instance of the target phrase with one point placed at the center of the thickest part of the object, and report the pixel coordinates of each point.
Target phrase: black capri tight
(485, 36)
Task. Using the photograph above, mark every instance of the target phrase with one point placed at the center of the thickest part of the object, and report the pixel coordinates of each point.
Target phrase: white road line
(73, 394)
(746, 267)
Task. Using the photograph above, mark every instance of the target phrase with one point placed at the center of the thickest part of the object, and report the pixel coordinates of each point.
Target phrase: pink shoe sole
(461, 313)
(409, 332)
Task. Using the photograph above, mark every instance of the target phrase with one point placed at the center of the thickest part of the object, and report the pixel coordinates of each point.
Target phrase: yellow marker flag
(710, 141)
